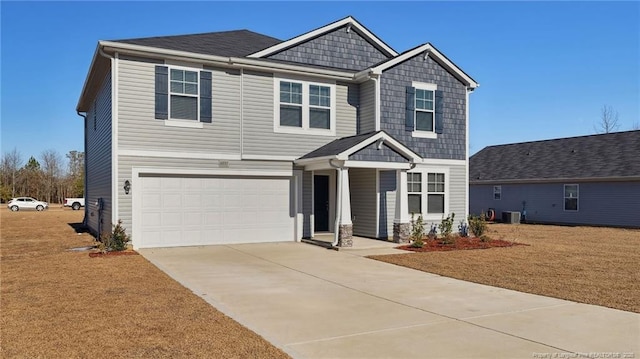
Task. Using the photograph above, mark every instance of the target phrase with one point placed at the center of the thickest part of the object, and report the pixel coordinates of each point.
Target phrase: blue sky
(545, 68)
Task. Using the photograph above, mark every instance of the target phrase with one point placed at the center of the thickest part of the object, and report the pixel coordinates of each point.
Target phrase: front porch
(360, 245)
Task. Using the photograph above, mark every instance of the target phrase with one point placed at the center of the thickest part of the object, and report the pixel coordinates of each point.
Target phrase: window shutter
(439, 112)
(410, 108)
(205, 97)
(162, 92)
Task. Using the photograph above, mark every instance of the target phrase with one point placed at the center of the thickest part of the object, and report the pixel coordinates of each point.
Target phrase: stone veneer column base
(345, 236)
(401, 232)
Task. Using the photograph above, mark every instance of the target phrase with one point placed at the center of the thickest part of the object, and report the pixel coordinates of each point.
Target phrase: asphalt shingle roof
(338, 146)
(596, 156)
(237, 43)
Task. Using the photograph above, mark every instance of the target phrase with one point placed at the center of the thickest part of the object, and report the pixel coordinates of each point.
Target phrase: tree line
(46, 179)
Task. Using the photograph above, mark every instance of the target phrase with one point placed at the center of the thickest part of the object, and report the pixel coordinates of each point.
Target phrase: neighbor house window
(424, 110)
(436, 192)
(414, 189)
(571, 195)
(304, 107)
(183, 91)
(427, 193)
(497, 192)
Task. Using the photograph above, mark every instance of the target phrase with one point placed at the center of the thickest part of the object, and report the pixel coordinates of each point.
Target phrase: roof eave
(323, 30)
(555, 180)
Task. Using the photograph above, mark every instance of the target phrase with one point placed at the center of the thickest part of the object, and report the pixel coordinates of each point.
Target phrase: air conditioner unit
(511, 217)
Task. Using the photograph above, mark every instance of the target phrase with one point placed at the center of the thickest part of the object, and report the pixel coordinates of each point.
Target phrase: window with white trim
(414, 189)
(183, 94)
(424, 110)
(434, 194)
(304, 107)
(571, 195)
(497, 193)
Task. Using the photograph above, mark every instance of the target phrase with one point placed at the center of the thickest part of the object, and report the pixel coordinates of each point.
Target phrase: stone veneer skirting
(401, 232)
(345, 236)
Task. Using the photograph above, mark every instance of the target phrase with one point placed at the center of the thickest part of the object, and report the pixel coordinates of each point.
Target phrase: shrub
(115, 241)
(463, 229)
(446, 225)
(478, 225)
(417, 231)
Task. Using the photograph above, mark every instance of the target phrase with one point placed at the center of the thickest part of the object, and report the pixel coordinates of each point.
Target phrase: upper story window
(304, 107)
(571, 195)
(423, 110)
(183, 96)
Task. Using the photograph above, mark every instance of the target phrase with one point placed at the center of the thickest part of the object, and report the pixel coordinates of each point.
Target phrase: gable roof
(349, 21)
(238, 43)
(341, 148)
(427, 50)
(604, 156)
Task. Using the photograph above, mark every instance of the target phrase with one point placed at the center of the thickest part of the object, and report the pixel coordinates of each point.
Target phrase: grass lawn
(591, 265)
(63, 304)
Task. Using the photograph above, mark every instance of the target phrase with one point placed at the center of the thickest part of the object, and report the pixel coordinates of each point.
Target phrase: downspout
(336, 226)
(241, 112)
(84, 182)
(376, 80)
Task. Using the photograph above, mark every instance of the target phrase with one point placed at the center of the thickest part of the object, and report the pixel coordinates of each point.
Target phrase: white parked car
(74, 203)
(19, 203)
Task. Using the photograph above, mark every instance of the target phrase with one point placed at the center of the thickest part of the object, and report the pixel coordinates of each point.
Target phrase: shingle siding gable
(337, 49)
(451, 144)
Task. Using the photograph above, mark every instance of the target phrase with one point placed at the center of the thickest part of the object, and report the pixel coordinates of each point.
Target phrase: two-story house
(238, 137)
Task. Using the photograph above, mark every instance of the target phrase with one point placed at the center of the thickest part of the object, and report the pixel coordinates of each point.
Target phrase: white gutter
(223, 60)
(376, 80)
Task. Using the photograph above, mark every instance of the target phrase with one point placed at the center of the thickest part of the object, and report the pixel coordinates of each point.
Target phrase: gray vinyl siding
(259, 137)
(126, 163)
(387, 198)
(98, 158)
(458, 193)
(367, 115)
(362, 183)
(337, 49)
(449, 145)
(139, 130)
(599, 203)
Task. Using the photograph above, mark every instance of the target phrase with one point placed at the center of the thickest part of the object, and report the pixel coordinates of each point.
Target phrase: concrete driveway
(318, 303)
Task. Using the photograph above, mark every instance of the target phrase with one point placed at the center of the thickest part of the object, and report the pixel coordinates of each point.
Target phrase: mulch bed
(460, 243)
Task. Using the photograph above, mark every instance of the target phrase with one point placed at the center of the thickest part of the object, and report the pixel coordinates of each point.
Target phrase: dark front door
(321, 203)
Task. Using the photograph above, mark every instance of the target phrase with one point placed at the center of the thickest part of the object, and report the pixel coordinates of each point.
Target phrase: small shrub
(446, 225)
(417, 231)
(484, 238)
(433, 232)
(115, 241)
(463, 229)
(478, 225)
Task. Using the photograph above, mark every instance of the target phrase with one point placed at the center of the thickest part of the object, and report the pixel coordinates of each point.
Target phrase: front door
(321, 203)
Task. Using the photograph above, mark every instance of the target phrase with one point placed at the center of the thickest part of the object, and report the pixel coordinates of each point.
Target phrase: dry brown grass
(62, 304)
(591, 265)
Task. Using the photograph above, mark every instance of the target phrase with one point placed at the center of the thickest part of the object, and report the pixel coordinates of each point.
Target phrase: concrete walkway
(318, 303)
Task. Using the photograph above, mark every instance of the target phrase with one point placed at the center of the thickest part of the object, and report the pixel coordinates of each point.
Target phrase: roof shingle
(596, 156)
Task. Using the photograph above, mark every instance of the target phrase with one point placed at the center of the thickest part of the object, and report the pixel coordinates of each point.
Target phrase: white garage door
(179, 211)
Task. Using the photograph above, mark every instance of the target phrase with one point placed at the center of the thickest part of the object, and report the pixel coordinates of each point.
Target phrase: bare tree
(75, 178)
(52, 174)
(635, 126)
(10, 165)
(608, 120)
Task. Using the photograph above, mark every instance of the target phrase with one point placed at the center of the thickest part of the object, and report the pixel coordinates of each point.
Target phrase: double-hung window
(183, 92)
(571, 195)
(424, 110)
(427, 187)
(304, 107)
(497, 193)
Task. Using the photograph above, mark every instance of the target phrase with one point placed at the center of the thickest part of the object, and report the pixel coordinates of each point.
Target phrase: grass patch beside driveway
(590, 265)
(62, 304)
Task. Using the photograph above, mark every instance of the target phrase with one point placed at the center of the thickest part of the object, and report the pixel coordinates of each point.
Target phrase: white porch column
(345, 227)
(401, 221)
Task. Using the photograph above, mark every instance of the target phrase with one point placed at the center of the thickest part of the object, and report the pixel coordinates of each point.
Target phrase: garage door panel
(179, 211)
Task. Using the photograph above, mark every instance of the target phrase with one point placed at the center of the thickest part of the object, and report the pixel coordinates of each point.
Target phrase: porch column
(401, 221)
(345, 228)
